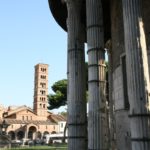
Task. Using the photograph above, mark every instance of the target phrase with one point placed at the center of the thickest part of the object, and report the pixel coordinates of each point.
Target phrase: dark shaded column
(77, 120)
(112, 131)
(137, 74)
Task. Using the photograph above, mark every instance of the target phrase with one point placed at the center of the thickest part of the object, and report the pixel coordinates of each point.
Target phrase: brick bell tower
(41, 90)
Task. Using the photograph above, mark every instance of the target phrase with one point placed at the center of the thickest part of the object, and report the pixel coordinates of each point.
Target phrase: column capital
(73, 3)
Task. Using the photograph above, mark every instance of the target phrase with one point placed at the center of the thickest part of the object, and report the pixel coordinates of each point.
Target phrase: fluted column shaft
(137, 75)
(96, 75)
(111, 102)
(77, 120)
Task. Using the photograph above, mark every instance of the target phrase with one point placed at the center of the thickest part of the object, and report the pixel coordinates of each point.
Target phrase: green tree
(60, 97)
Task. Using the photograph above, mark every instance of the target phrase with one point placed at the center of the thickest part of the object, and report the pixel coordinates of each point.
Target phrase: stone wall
(122, 125)
(117, 32)
(122, 130)
(121, 114)
(118, 89)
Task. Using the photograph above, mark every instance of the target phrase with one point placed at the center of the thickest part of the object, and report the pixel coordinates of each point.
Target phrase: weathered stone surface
(138, 75)
(77, 121)
(123, 134)
(97, 120)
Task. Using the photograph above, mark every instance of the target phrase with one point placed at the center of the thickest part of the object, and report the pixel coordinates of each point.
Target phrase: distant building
(60, 120)
(27, 123)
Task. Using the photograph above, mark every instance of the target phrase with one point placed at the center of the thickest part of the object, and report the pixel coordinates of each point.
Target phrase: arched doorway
(32, 132)
(11, 135)
(20, 135)
(38, 135)
(53, 132)
(45, 133)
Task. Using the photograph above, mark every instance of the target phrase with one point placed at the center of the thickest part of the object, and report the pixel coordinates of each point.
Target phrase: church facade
(26, 123)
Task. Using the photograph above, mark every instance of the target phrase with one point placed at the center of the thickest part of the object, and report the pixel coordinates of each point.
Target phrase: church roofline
(18, 109)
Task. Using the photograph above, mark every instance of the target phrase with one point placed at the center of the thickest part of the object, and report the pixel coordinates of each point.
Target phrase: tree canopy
(60, 97)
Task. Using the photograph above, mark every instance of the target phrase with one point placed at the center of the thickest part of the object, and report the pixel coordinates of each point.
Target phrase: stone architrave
(137, 74)
(77, 119)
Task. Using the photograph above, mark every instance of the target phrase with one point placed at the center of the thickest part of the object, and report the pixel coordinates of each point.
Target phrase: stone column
(16, 137)
(137, 74)
(26, 133)
(77, 120)
(110, 94)
(96, 74)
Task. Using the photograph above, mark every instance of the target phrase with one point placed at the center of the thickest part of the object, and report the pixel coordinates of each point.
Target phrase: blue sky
(28, 35)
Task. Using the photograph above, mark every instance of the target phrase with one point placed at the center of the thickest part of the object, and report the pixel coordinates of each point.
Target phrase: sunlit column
(137, 74)
(96, 74)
